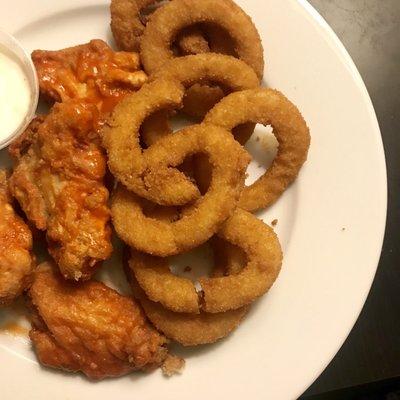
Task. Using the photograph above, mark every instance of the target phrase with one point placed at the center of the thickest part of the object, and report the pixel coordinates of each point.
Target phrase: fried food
(223, 293)
(90, 328)
(176, 293)
(58, 182)
(267, 107)
(167, 21)
(200, 220)
(193, 72)
(212, 71)
(173, 292)
(91, 72)
(264, 259)
(128, 23)
(189, 329)
(149, 173)
(16, 260)
(137, 169)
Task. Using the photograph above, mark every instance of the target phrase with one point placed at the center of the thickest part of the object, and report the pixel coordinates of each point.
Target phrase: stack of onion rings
(172, 303)
(128, 26)
(188, 329)
(215, 69)
(227, 23)
(263, 261)
(202, 219)
(160, 206)
(155, 46)
(196, 328)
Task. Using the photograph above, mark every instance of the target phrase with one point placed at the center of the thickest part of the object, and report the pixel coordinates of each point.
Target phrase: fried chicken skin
(58, 181)
(91, 72)
(16, 260)
(91, 328)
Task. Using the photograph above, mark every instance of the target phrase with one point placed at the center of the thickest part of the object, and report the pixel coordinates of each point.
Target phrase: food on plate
(129, 19)
(91, 328)
(189, 329)
(228, 29)
(126, 159)
(167, 21)
(149, 173)
(172, 191)
(263, 263)
(173, 292)
(218, 294)
(209, 69)
(16, 260)
(58, 182)
(198, 221)
(190, 71)
(91, 72)
(267, 107)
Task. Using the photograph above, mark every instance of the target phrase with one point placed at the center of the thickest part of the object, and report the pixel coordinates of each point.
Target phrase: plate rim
(312, 12)
(323, 24)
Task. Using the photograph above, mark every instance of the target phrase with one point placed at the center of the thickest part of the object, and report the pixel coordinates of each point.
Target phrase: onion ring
(121, 136)
(138, 170)
(127, 27)
(219, 294)
(163, 28)
(268, 107)
(196, 71)
(188, 329)
(201, 220)
(176, 293)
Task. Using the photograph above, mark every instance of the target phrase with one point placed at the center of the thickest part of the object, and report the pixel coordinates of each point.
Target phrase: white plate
(331, 221)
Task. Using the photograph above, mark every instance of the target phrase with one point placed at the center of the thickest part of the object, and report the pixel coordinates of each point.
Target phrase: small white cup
(10, 44)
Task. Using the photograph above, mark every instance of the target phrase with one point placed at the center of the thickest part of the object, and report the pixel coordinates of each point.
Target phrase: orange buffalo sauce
(14, 329)
(91, 72)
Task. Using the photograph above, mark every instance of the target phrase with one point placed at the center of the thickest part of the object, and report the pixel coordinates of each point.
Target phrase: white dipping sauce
(15, 94)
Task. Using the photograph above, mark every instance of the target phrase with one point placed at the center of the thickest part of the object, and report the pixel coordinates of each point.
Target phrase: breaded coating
(58, 181)
(129, 19)
(92, 72)
(267, 107)
(260, 254)
(16, 260)
(90, 328)
(185, 328)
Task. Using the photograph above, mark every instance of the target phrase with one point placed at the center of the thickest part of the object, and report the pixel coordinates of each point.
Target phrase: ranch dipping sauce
(15, 94)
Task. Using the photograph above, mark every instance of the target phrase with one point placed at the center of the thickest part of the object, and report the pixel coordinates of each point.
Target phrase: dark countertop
(369, 360)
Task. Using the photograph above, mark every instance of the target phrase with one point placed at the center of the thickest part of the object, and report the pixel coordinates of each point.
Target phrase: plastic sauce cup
(10, 47)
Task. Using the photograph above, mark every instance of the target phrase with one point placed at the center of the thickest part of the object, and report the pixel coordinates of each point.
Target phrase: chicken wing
(16, 260)
(90, 328)
(58, 181)
(91, 72)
